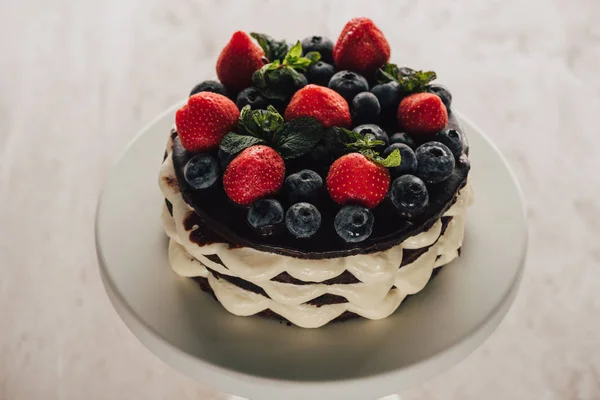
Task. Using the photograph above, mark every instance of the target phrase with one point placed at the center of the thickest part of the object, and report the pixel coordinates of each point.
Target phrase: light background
(78, 79)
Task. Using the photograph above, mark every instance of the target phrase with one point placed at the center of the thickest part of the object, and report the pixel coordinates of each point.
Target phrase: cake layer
(228, 221)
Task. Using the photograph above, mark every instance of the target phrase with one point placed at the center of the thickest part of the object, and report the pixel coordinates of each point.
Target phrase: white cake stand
(261, 359)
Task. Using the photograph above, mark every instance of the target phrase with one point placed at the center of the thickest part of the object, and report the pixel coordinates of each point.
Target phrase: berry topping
(209, 86)
(408, 159)
(354, 223)
(256, 172)
(320, 73)
(201, 171)
(361, 47)
(303, 220)
(204, 120)
(410, 81)
(409, 195)
(422, 114)
(365, 108)
(403, 137)
(320, 103)
(375, 131)
(353, 178)
(251, 97)
(265, 216)
(320, 44)
(303, 186)
(389, 96)
(225, 158)
(442, 92)
(435, 162)
(238, 61)
(348, 84)
(452, 139)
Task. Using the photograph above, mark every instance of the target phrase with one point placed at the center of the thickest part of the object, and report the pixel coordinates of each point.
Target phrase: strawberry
(422, 114)
(353, 178)
(256, 172)
(238, 61)
(361, 47)
(204, 120)
(321, 103)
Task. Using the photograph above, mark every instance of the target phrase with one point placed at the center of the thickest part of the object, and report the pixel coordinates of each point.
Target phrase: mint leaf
(274, 49)
(280, 83)
(410, 81)
(298, 137)
(294, 53)
(313, 56)
(392, 160)
(233, 143)
(262, 124)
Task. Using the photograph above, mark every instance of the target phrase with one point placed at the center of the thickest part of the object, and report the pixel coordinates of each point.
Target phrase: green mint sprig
(279, 80)
(274, 49)
(291, 139)
(365, 145)
(410, 81)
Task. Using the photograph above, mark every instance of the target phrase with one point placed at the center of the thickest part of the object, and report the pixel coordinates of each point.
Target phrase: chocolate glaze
(224, 221)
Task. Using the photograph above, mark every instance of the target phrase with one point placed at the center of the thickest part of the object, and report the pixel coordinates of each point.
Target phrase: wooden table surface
(78, 79)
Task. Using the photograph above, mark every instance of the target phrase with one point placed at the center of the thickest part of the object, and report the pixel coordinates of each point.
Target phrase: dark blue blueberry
(303, 220)
(265, 216)
(435, 162)
(453, 139)
(354, 223)
(321, 44)
(389, 96)
(405, 138)
(224, 158)
(409, 195)
(320, 73)
(442, 92)
(251, 96)
(365, 108)
(375, 131)
(408, 159)
(303, 186)
(201, 171)
(348, 84)
(209, 86)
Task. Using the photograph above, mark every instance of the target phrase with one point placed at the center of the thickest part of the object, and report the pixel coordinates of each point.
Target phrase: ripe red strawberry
(204, 120)
(422, 114)
(238, 61)
(361, 47)
(353, 178)
(321, 103)
(256, 172)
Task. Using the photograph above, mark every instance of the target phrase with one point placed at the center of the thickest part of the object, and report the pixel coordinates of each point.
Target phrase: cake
(315, 182)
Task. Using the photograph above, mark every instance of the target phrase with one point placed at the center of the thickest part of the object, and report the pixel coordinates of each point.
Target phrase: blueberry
(209, 86)
(375, 131)
(348, 84)
(408, 159)
(265, 216)
(389, 96)
(224, 158)
(201, 171)
(320, 73)
(303, 186)
(452, 139)
(303, 220)
(435, 162)
(365, 108)
(251, 96)
(354, 223)
(321, 44)
(442, 92)
(403, 137)
(409, 195)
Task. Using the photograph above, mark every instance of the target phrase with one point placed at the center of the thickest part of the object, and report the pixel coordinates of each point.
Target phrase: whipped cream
(383, 284)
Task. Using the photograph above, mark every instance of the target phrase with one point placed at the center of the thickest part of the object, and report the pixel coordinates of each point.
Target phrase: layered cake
(315, 182)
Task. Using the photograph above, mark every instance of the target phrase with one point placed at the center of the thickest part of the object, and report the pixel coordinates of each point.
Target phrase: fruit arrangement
(288, 131)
